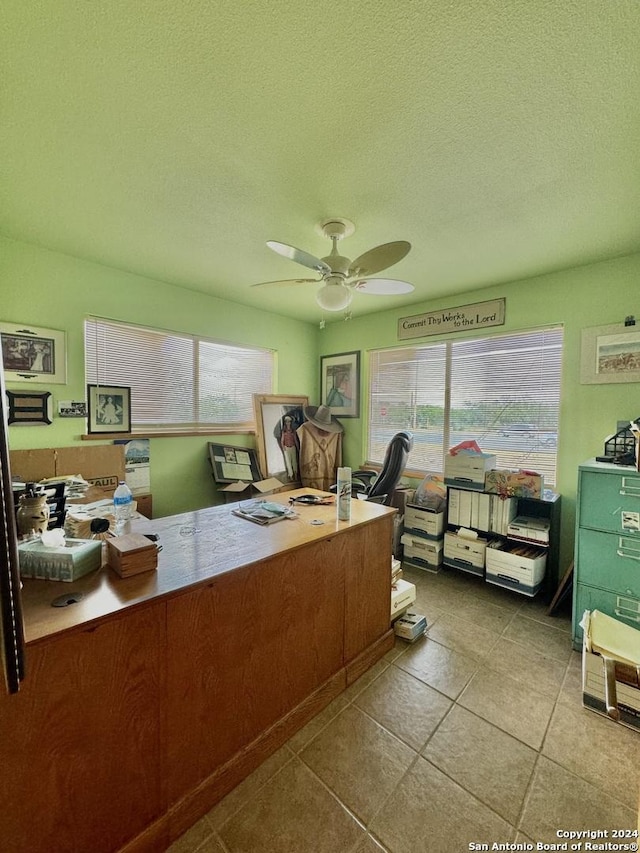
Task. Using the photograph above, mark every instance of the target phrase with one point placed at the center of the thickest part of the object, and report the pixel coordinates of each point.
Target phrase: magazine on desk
(262, 512)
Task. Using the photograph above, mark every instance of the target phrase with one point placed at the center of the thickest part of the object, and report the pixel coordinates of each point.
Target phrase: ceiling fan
(340, 276)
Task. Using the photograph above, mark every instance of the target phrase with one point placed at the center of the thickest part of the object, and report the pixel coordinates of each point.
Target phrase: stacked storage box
(423, 538)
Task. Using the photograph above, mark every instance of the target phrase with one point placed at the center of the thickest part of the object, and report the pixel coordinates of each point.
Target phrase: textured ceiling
(172, 138)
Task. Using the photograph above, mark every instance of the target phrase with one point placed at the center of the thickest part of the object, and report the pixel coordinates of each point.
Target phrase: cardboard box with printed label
(465, 552)
(423, 522)
(422, 553)
(468, 470)
(518, 567)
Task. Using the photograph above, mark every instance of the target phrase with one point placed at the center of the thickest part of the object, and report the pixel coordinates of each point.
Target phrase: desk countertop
(196, 547)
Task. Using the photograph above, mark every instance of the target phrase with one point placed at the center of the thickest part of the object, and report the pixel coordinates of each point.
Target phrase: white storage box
(517, 567)
(465, 552)
(403, 594)
(422, 553)
(610, 668)
(467, 470)
(530, 529)
(423, 522)
(411, 626)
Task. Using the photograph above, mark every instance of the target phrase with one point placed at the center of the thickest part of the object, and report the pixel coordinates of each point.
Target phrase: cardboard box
(422, 553)
(529, 529)
(465, 552)
(102, 465)
(521, 568)
(518, 484)
(68, 562)
(610, 645)
(423, 522)
(467, 470)
(410, 627)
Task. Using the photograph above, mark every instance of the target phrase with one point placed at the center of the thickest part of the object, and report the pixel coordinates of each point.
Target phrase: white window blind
(502, 391)
(178, 382)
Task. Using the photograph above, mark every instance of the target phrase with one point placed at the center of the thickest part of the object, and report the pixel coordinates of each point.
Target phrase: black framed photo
(230, 464)
(29, 407)
(33, 354)
(108, 408)
(340, 383)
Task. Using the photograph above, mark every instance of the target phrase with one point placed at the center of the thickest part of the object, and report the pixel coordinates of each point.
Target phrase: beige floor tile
(370, 845)
(404, 705)
(211, 845)
(602, 752)
(550, 642)
(292, 812)
(484, 760)
(306, 734)
(527, 665)
(497, 596)
(486, 615)
(438, 666)
(571, 691)
(359, 760)
(512, 706)
(536, 608)
(424, 605)
(463, 636)
(248, 788)
(365, 680)
(398, 648)
(560, 800)
(430, 813)
(194, 837)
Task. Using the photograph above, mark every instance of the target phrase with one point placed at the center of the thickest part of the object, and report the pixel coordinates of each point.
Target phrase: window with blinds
(179, 383)
(501, 391)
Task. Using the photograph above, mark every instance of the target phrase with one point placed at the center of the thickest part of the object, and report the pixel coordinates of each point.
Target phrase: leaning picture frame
(340, 383)
(33, 354)
(278, 416)
(610, 354)
(108, 408)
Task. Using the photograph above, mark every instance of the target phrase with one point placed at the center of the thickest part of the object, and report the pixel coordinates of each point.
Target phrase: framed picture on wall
(340, 384)
(33, 354)
(610, 354)
(29, 407)
(277, 419)
(109, 408)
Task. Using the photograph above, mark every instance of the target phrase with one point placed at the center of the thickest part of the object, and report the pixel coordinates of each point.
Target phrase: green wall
(57, 291)
(53, 290)
(581, 297)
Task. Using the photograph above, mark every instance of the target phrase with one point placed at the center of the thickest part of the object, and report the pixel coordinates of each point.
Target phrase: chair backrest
(395, 461)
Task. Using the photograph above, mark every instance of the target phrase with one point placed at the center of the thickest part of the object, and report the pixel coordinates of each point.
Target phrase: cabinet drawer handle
(626, 556)
(624, 615)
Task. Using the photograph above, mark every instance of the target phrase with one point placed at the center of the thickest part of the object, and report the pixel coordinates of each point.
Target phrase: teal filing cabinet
(607, 549)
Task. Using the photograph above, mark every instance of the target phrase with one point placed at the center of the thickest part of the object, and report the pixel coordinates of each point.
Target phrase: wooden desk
(150, 699)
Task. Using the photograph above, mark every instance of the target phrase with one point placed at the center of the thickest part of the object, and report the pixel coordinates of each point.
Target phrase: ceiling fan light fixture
(334, 296)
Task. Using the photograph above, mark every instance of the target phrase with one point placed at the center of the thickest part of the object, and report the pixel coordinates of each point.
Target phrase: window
(179, 383)
(501, 391)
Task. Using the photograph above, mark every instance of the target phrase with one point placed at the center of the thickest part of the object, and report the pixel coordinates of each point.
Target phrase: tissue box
(518, 484)
(65, 562)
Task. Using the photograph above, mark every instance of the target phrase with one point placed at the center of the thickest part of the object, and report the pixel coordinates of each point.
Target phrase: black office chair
(380, 486)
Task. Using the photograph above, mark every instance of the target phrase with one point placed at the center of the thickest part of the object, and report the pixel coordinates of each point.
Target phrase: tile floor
(474, 734)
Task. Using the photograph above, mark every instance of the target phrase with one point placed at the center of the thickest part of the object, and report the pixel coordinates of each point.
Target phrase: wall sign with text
(480, 315)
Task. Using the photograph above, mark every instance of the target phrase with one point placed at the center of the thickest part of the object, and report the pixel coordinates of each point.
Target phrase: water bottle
(344, 494)
(122, 505)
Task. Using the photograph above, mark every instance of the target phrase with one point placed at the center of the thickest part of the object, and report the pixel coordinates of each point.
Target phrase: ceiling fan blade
(382, 286)
(299, 256)
(379, 258)
(288, 281)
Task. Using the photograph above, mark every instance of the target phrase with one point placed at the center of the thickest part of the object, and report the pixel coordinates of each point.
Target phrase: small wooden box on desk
(131, 554)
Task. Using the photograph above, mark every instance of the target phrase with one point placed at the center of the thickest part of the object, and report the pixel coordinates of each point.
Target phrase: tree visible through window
(502, 391)
(178, 382)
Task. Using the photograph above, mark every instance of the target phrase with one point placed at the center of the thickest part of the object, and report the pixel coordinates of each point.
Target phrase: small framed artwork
(340, 383)
(109, 408)
(29, 407)
(610, 354)
(230, 464)
(33, 354)
(277, 419)
(72, 409)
